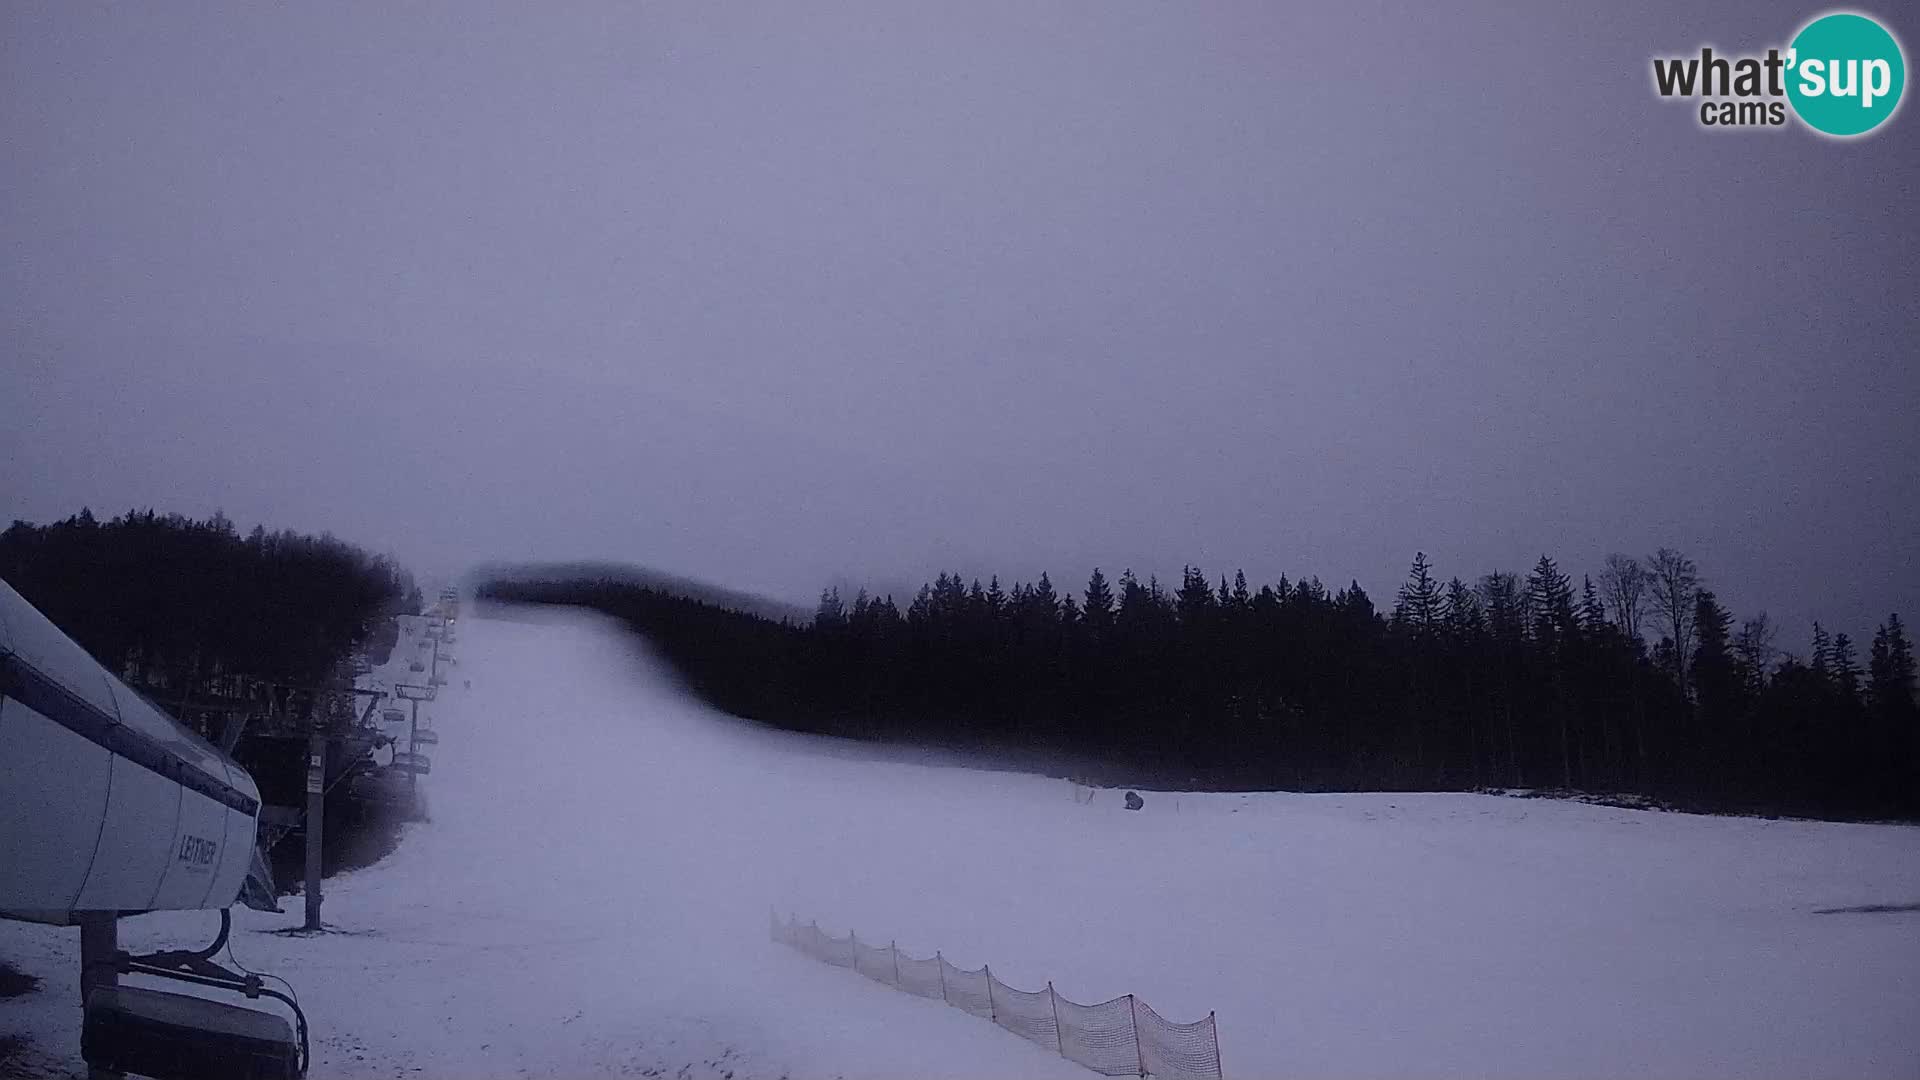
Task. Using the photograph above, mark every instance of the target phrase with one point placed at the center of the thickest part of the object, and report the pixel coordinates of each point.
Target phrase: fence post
(1133, 1019)
(992, 1014)
(1214, 1027)
(1053, 999)
(853, 949)
(894, 948)
(942, 961)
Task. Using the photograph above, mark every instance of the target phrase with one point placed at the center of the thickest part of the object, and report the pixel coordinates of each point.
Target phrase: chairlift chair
(381, 787)
(152, 1033)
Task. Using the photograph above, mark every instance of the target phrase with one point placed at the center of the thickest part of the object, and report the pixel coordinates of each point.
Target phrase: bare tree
(1623, 588)
(1672, 581)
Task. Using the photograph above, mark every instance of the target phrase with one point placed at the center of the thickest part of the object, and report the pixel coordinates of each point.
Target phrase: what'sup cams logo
(1842, 75)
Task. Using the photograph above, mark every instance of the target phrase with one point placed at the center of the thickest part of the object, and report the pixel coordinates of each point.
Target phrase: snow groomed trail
(591, 896)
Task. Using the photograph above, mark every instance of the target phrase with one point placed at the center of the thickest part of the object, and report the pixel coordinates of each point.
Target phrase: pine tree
(1462, 613)
(1097, 608)
(1754, 646)
(1717, 685)
(1845, 672)
(1267, 602)
(1890, 670)
(1500, 598)
(1593, 614)
(1195, 600)
(830, 615)
(1354, 602)
(1821, 662)
(1418, 605)
(1043, 599)
(1894, 719)
(1549, 602)
(1712, 624)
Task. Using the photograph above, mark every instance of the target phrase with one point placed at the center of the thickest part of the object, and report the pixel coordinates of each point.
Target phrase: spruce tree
(830, 615)
(1418, 604)
(1845, 672)
(1890, 670)
(1549, 602)
(1195, 600)
(1462, 612)
(1044, 599)
(1593, 614)
(1096, 610)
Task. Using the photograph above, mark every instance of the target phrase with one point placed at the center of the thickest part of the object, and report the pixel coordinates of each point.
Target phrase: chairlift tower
(414, 695)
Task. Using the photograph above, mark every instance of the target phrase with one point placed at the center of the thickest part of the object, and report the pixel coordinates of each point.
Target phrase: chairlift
(152, 1033)
(381, 787)
(415, 763)
(426, 737)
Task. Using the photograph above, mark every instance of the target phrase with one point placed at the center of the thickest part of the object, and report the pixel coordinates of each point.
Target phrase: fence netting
(1025, 1013)
(1175, 1050)
(1100, 1036)
(920, 977)
(1121, 1037)
(821, 946)
(968, 991)
(876, 964)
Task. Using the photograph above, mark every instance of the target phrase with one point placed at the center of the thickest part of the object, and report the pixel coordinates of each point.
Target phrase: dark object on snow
(133, 1029)
(1134, 801)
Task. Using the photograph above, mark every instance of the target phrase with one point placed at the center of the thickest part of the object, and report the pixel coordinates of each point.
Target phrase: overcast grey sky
(775, 293)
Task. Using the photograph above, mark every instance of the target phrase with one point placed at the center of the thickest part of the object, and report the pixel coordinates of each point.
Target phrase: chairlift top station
(114, 806)
(114, 809)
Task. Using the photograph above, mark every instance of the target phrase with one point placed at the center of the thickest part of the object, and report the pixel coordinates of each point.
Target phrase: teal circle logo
(1846, 74)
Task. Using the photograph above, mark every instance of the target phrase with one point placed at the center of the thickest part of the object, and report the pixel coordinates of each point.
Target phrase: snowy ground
(591, 899)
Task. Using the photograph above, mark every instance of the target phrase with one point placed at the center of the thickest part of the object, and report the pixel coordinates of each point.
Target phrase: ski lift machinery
(112, 808)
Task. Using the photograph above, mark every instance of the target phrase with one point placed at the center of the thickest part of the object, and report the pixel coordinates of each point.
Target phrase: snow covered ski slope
(591, 899)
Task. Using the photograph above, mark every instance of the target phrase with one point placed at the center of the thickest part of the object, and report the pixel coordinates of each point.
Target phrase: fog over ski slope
(591, 898)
